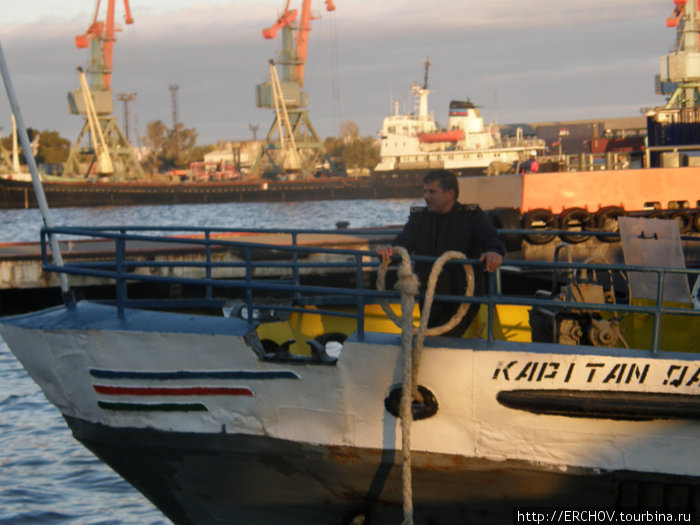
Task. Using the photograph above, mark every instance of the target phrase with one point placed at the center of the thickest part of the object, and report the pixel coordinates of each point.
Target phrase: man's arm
(491, 246)
(406, 239)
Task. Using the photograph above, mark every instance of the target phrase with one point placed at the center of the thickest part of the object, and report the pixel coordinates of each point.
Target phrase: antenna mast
(126, 98)
(173, 98)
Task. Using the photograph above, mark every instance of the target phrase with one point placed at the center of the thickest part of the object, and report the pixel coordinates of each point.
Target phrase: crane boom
(303, 40)
(104, 32)
(299, 148)
(111, 150)
(287, 19)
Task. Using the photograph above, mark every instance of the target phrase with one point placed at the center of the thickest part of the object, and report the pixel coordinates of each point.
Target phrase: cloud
(524, 61)
(398, 15)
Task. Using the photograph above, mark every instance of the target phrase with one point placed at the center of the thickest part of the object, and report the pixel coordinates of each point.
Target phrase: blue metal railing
(125, 245)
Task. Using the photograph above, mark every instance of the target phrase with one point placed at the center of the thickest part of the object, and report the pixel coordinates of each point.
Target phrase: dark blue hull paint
(238, 479)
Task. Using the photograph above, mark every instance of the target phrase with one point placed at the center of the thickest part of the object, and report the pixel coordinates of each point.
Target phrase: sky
(519, 60)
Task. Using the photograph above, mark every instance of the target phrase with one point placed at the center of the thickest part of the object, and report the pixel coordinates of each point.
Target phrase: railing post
(248, 288)
(656, 331)
(207, 237)
(360, 298)
(295, 264)
(44, 256)
(120, 279)
(491, 297)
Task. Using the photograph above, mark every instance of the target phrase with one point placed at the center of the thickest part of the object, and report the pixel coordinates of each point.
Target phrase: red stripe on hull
(172, 391)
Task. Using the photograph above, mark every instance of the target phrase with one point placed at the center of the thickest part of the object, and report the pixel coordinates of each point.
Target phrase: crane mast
(297, 147)
(100, 37)
(680, 69)
(108, 152)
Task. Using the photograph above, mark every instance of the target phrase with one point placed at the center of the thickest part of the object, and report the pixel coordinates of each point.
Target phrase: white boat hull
(185, 409)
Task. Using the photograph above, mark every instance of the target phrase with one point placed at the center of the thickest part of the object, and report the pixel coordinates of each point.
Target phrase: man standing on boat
(443, 225)
(530, 165)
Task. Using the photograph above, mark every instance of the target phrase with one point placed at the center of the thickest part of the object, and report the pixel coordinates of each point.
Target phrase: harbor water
(45, 475)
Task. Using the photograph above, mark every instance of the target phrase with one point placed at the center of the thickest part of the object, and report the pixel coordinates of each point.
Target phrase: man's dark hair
(446, 179)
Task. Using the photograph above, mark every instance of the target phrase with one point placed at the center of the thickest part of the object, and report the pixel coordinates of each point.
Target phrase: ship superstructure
(413, 141)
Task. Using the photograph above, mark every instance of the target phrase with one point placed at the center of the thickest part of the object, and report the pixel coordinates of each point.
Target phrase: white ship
(413, 142)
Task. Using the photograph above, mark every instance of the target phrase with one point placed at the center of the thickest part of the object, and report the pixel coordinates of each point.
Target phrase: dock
(24, 286)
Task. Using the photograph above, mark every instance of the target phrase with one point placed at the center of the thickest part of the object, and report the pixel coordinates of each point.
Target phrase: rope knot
(407, 281)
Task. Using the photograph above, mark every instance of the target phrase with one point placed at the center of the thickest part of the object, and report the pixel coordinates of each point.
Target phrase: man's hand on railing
(491, 260)
(386, 252)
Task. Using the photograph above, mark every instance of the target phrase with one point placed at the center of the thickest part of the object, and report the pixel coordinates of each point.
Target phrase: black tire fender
(539, 218)
(606, 220)
(696, 222)
(684, 220)
(570, 219)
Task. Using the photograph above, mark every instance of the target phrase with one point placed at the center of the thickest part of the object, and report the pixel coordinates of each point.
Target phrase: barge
(20, 194)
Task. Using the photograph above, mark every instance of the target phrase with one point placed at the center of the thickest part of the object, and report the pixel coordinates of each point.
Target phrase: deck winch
(574, 326)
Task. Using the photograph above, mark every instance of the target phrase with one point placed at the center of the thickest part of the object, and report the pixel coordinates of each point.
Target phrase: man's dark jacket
(466, 229)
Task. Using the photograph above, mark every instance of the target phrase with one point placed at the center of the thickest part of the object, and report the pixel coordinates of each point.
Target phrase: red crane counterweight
(287, 19)
(298, 148)
(103, 32)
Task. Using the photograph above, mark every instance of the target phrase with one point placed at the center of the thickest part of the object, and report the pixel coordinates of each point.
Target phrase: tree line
(172, 149)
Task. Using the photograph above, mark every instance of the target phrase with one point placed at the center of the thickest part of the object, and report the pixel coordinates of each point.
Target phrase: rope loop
(408, 282)
(430, 293)
(409, 286)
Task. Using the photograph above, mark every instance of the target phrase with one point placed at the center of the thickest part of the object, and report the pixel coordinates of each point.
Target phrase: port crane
(110, 153)
(292, 144)
(680, 69)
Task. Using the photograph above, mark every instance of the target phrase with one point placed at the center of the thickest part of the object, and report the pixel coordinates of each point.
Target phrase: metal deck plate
(654, 242)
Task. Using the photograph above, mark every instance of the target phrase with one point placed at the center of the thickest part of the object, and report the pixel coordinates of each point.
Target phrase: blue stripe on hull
(152, 407)
(182, 374)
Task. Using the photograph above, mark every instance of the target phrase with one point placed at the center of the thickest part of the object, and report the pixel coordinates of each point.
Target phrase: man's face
(437, 199)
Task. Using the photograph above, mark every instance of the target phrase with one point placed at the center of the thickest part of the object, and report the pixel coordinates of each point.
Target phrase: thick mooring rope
(408, 285)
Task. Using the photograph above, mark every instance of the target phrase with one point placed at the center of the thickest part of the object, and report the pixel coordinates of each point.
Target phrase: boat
(62, 193)
(412, 143)
(275, 388)
(270, 390)
(454, 135)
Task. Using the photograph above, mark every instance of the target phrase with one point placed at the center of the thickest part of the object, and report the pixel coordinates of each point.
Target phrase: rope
(409, 287)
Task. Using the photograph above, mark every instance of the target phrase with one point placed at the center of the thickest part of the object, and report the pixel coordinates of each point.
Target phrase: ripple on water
(46, 476)
(24, 225)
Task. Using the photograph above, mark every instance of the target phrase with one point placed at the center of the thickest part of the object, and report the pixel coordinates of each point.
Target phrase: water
(24, 225)
(45, 475)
